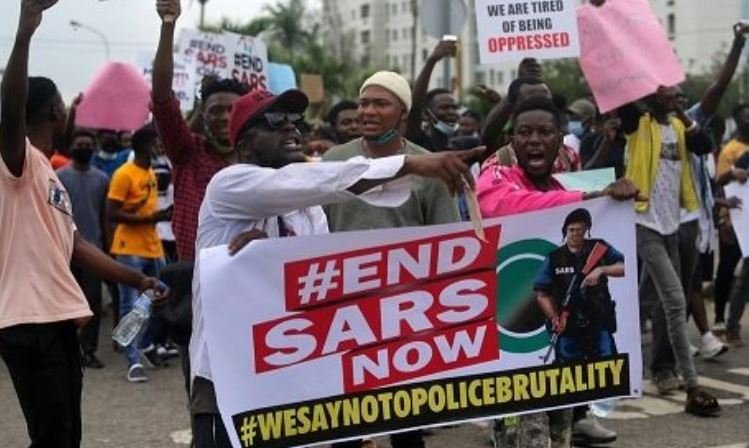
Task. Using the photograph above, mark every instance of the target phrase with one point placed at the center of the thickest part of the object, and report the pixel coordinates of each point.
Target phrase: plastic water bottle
(132, 323)
(603, 408)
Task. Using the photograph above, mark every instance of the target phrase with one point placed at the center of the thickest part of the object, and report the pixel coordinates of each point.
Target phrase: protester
(696, 228)
(87, 187)
(344, 122)
(520, 90)
(728, 170)
(433, 119)
(469, 124)
(273, 195)
(195, 157)
(605, 145)
(163, 170)
(507, 190)
(41, 304)
(110, 155)
(132, 204)
(384, 102)
(659, 164)
(582, 114)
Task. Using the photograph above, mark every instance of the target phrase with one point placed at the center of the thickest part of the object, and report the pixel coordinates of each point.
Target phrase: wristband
(693, 127)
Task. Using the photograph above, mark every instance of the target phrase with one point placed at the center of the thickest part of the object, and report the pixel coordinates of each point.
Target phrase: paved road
(153, 415)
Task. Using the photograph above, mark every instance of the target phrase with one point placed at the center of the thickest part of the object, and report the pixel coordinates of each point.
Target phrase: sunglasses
(277, 120)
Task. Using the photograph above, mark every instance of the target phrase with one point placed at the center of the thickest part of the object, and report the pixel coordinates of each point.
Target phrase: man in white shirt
(270, 194)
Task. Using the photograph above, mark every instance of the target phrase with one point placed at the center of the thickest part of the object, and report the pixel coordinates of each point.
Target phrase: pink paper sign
(117, 99)
(624, 52)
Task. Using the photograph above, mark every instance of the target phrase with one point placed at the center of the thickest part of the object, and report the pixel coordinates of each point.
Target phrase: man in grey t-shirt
(384, 102)
(87, 187)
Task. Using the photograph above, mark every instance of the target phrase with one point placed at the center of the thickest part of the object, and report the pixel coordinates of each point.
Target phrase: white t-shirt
(244, 197)
(664, 210)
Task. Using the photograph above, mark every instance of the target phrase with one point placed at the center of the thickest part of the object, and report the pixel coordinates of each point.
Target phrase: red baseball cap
(258, 102)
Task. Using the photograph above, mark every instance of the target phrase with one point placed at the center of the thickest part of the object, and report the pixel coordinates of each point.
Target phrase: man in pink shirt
(528, 186)
(41, 305)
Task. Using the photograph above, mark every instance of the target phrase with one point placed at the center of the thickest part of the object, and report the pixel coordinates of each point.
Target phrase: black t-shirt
(615, 159)
(431, 140)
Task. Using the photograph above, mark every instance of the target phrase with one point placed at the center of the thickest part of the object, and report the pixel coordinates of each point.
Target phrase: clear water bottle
(132, 323)
(603, 408)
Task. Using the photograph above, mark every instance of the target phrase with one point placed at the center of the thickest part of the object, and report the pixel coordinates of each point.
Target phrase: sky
(71, 57)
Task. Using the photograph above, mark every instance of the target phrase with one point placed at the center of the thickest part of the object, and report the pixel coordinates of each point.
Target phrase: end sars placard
(510, 30)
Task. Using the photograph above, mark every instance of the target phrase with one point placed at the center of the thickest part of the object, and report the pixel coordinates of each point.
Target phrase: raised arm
(717, 89)
(163, 65)
(495, 123)
(421, 85)
(15, 87)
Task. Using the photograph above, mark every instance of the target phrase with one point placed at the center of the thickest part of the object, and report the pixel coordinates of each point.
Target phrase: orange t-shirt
(136, 188)
(36, 245)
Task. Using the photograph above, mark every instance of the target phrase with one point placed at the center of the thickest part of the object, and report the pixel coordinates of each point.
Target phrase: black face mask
(82, 155)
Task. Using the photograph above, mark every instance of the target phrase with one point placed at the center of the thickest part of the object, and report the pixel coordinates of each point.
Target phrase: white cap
(394, 83)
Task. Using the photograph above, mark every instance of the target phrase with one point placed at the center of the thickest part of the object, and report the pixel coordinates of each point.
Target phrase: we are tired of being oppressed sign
(510, 30)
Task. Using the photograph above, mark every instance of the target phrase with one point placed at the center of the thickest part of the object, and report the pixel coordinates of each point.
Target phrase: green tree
(565, 77)
(293, 36)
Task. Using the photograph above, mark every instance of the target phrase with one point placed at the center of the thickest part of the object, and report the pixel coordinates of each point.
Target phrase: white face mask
(445, 128)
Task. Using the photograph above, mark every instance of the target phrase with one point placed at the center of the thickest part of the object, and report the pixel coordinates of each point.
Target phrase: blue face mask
(576, 128)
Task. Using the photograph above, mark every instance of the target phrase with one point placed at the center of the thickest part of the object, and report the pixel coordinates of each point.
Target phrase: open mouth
(292, 143)
(536, 158)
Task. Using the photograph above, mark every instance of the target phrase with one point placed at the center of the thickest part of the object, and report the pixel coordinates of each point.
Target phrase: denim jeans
(128, 296)
(739, 296)
(662, 353)
(660, 259)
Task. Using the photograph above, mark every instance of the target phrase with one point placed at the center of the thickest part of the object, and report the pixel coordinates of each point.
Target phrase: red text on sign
(420, 356)
(503, 44)
(319, 281)
(374, 320)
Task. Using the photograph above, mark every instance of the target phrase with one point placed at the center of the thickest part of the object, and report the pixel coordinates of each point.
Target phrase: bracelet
(693, 127)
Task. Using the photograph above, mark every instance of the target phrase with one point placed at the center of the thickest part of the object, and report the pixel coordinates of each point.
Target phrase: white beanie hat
(394, 83)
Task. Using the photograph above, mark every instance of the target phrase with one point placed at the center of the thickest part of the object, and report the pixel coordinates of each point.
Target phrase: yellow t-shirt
(136, 188)
(730, 154)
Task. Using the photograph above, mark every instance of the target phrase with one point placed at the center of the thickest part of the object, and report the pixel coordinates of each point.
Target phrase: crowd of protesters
(125, 208)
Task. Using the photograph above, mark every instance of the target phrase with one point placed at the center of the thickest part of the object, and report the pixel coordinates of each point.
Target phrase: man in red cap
(269, 195)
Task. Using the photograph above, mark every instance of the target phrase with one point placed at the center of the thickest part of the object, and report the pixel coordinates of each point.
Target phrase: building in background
(381, 33)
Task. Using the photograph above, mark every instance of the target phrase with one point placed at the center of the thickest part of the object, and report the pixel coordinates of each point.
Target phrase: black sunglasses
(277, 120)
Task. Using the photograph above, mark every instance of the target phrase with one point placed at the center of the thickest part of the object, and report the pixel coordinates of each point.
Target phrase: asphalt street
(153, 415)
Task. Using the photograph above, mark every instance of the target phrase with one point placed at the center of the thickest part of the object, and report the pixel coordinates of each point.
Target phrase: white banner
(740, 216)
(226, 55)
(331, 337)
(183, 83)
(510, 30)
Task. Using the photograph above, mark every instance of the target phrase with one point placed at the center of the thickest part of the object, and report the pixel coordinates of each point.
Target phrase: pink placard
(117, 99)
(624, 52)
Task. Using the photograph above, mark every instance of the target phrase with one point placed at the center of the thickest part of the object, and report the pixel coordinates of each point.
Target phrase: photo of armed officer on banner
(572, 291)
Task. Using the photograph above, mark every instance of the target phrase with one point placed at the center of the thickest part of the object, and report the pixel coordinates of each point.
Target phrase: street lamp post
(78, 25)
(202, 13)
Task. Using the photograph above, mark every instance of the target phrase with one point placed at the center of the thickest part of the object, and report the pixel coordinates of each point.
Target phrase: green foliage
(565, 77)
(293, 36)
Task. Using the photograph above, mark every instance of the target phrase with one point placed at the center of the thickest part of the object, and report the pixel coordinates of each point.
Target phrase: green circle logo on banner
(519, 319)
